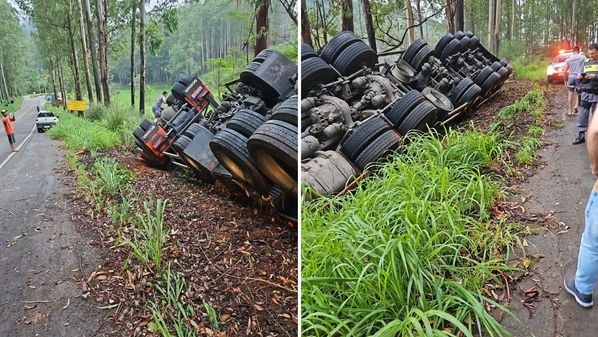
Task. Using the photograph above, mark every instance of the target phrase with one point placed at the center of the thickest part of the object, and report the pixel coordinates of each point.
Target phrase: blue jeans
(587, 262)
(583, 117)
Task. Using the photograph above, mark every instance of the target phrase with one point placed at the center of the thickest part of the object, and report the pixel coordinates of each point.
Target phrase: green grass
(122, 96)
(533, 103)
(78, 133)
(525, 69)
(408, 253)
(150, 235)
(13, 107)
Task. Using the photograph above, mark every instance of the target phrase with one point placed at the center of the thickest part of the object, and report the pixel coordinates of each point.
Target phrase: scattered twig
(40, 301)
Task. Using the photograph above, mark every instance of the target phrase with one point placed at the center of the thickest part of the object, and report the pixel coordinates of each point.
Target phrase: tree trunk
(497, 25)
(52, 72)
(305, 29)
(92, 47)
(410, 23)
(103, 49)
(84, 49)
(142, 70)
(419, 18)
(459, 20)
(132, 70)
(574, 22)
(4, 80)
(62, 88)
(261, 26)
(450, 16)
(74, 56)
(347, 15)
(491, 23)
(512, 25)
(369, 25)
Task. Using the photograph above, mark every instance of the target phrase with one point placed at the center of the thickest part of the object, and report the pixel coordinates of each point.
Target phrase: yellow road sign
(76, 105)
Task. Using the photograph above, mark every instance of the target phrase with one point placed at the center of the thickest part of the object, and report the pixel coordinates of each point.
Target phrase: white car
(45, 120)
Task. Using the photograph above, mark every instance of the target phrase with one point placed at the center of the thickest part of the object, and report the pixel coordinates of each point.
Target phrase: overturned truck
(355, 110)
(247, 141)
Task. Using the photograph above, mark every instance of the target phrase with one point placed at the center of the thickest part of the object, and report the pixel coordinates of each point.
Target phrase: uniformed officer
(589, 92)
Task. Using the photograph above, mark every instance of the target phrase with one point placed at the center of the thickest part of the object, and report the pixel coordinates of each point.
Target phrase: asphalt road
(42, 255)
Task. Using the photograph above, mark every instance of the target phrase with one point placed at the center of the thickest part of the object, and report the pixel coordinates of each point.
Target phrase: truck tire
(192, 130)
(419, 118)
(315, 71)
(168, 113)
(490, 85)
(496, 65)
(246, 122)
(459, 90)
(145, 124)
(230, 147)
(413, 49)
(464, 44)
(287, 111)
(181, 144)
(483, 75)
(451, 48)
(448, 37)
(354, 57)
(307, 52)
(336, 45)
(262, 56)
(422, 57)
(404, 106)
(472, 92)
(378, 149)
(138, 134)
(178, 91)
(459, 35)
(186, 80)
(273, 147)
(362, 136)
(325, 174)
(474, 42)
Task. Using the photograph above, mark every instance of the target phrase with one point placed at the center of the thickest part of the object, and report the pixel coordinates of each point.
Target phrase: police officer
(589, 92)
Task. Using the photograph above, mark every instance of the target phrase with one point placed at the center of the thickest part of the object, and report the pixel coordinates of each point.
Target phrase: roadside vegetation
(137, 222)
(532, 70)
(417, 250)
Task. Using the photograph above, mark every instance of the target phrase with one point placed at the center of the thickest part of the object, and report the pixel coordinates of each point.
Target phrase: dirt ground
(64, 274)
(239, 257)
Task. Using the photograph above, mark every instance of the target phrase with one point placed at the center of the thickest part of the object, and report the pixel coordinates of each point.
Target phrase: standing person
(10, 130)
(157, 107)
(573, 67)
(588, 86)
(581, 282)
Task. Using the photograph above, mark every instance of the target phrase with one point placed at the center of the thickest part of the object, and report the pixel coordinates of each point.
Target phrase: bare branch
(414, 26)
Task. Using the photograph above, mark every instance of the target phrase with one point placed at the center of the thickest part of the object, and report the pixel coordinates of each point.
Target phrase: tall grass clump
(530, 69)
(79, 133)
(150, 235)
(409, 252)
(533, 104)
(170, 305)
(111, 179)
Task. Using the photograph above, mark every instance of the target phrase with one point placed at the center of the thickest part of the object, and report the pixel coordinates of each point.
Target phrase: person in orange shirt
(10, 130)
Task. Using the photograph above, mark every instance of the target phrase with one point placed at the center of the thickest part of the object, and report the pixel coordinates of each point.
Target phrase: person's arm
(592, 145)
